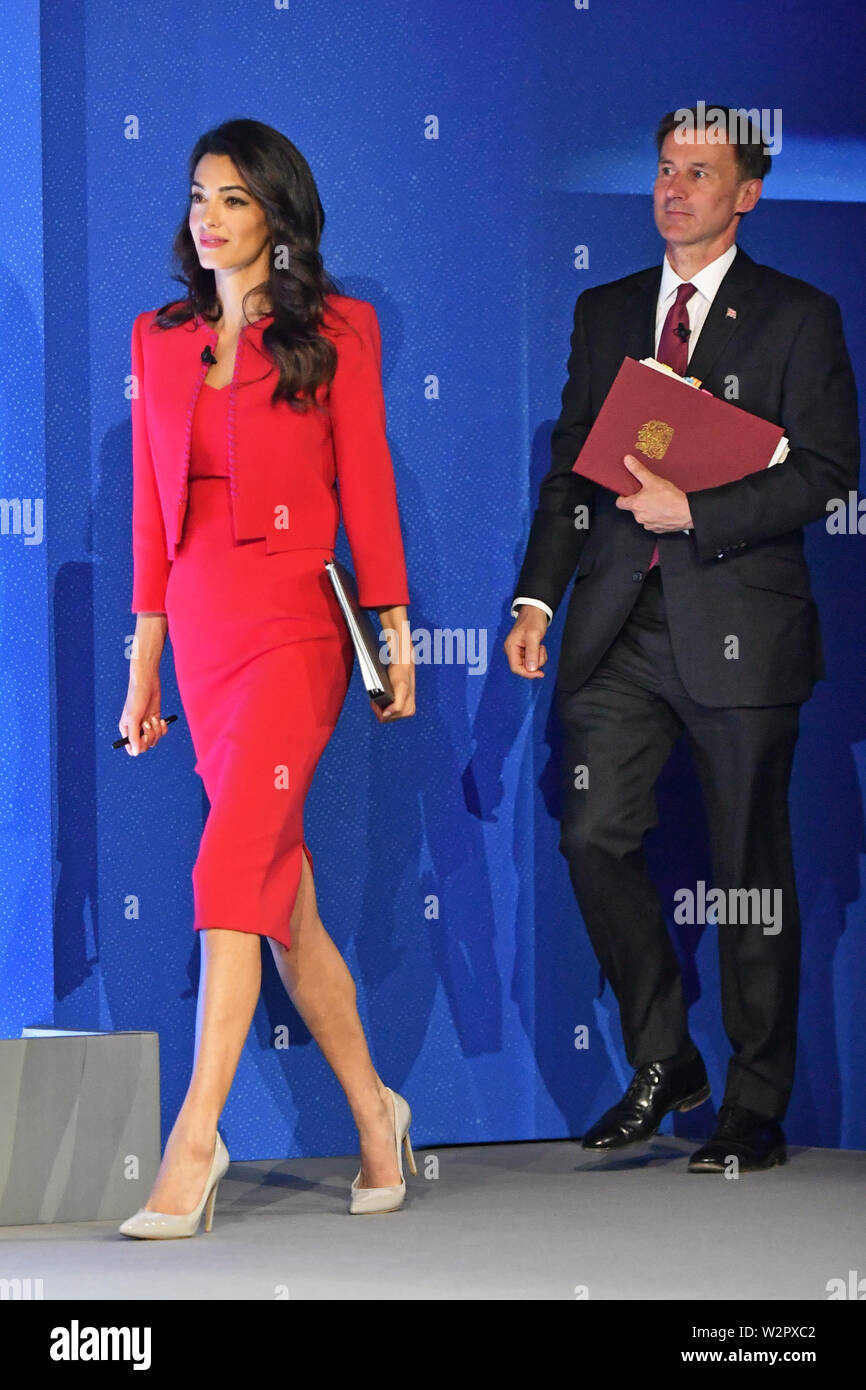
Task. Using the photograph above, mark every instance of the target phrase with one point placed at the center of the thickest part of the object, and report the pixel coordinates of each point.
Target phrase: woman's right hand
(142, 722)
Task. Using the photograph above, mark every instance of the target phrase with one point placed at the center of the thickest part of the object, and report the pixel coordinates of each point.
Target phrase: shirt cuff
(535, 603)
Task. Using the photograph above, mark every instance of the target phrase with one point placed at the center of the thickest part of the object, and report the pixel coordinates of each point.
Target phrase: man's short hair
(744, 133)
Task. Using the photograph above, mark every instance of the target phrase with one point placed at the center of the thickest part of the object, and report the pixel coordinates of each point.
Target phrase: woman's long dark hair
(279, 177)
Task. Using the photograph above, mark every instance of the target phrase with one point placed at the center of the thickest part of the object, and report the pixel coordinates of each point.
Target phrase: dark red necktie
(673, 348)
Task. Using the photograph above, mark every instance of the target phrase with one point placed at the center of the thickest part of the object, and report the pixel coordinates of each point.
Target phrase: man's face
(698, 190)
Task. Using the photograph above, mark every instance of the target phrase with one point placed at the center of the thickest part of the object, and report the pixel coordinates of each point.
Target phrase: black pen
(119, 742)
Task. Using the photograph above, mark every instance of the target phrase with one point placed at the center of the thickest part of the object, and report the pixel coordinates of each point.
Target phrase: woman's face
(228, 226)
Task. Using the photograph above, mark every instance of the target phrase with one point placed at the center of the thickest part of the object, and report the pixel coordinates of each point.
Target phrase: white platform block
(79, 1125)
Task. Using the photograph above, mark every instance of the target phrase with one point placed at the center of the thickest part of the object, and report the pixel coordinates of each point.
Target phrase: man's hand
(660, 505)
(523, 645)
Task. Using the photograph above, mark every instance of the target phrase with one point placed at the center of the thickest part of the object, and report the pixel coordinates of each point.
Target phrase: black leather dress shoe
(655, 1089)
(755, 1141)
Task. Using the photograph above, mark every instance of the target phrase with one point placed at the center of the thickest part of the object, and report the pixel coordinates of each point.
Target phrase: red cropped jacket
(290, 473)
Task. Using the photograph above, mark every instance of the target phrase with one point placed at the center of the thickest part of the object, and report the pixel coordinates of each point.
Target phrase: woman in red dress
(258, 419)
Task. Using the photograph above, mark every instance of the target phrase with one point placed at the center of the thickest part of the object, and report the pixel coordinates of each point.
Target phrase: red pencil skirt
(263, 659)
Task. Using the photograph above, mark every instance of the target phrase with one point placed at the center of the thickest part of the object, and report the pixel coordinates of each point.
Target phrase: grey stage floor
(501, 1221)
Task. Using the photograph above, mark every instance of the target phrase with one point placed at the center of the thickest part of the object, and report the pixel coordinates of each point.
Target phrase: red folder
(684, 434)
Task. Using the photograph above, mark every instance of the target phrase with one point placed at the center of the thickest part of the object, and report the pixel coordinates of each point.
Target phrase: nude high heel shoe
(372, 1199)
(159, 1225)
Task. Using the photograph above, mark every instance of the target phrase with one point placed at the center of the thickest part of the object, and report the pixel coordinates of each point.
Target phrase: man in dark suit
(692, 611)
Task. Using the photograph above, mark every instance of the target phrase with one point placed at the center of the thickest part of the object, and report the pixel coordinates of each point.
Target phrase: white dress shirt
(706, 283)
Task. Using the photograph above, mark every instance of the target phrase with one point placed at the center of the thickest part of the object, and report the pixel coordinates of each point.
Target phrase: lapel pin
(730, 313)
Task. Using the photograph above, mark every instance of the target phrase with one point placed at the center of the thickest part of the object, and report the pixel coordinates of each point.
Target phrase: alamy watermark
(22, 516)
(846, 516)
(731, 125)
(732, 907)
(439, 646)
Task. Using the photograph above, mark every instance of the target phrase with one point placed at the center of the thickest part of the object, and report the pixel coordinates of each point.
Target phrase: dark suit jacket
(741, 572)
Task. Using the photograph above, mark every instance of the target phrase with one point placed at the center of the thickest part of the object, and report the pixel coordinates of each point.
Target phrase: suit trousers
(620, 727)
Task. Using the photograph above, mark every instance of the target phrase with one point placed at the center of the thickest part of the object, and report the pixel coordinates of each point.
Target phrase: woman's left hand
(401, 666)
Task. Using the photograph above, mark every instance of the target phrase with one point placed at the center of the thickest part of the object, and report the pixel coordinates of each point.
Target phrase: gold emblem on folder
(653, 438)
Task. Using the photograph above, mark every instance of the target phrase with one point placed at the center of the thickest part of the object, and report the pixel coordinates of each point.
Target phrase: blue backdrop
(462, 153)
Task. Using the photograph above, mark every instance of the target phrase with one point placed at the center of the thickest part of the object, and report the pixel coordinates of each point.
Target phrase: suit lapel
(641, 315)
(720, 325)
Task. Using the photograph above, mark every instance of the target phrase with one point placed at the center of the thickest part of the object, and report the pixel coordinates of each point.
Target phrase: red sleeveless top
(209, 456)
